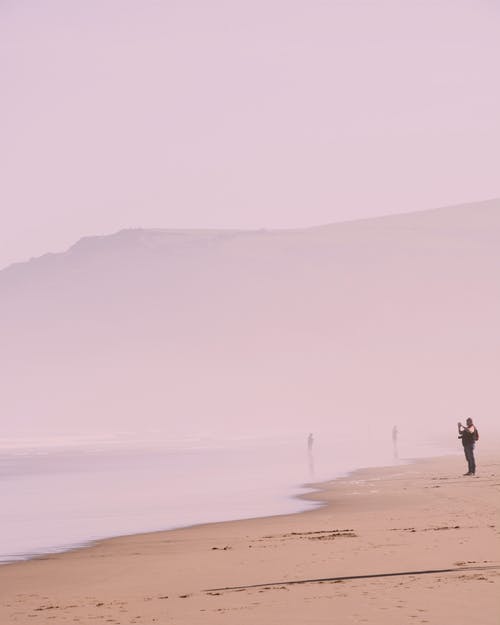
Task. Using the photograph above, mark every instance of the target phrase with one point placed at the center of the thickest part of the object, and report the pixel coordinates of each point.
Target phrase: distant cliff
(381, 320)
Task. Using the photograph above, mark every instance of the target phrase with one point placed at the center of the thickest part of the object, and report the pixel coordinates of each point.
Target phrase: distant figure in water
(395, 442)
(469, 435)
(310, 457)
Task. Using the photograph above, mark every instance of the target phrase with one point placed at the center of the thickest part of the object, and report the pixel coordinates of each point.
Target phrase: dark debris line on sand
(350, 577)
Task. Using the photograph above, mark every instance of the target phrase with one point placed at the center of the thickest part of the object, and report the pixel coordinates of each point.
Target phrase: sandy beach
(415, 543)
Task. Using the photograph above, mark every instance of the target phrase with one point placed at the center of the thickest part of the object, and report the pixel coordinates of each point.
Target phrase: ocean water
(63, 493)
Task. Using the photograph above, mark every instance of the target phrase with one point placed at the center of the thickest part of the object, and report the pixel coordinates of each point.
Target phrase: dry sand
(410, 518)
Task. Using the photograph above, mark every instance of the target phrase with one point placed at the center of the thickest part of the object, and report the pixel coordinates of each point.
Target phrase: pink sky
(240, 113)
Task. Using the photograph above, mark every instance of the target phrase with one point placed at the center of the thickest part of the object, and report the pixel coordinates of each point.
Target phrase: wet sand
(413, 543)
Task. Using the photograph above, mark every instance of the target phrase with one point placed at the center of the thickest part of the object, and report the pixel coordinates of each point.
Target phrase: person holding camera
(469, 435)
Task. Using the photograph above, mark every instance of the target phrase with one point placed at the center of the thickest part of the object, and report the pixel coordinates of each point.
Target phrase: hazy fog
(360, 324)
(240, 113)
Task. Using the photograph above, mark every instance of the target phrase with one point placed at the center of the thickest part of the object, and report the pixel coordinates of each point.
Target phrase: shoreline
(313, 488)
(373, 522)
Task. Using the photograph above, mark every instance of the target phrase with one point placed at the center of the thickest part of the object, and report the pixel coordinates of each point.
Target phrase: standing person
(395, 442)
(310, 457)
(469, 435)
